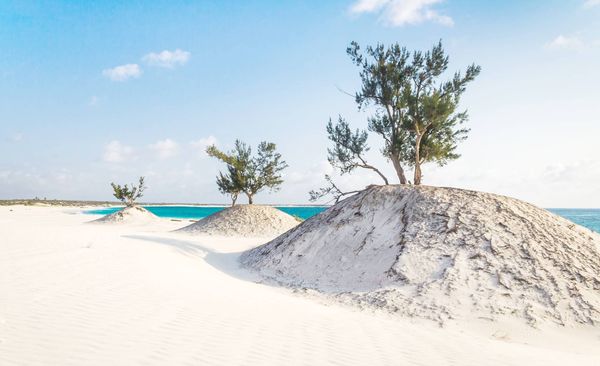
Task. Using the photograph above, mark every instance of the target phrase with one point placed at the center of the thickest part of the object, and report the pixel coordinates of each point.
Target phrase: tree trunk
(417, 176)
(234, 198)
(399, 171)
(250, 200)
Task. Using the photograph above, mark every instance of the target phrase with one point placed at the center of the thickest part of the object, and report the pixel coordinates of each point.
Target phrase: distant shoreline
(77, 203)
(82, 203)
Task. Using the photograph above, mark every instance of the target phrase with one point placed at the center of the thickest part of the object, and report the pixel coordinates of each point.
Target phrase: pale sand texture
(77, 294)
(441, 254)
(244, 221)
(135, 215)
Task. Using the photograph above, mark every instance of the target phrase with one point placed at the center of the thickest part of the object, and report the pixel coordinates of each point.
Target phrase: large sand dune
(73, 294)
(442, 253)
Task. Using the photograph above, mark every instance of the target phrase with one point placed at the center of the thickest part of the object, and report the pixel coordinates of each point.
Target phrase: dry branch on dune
(442, 253)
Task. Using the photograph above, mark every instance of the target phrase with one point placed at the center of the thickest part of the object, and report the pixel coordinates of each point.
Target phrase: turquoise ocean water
(198, 212)
(589, 218)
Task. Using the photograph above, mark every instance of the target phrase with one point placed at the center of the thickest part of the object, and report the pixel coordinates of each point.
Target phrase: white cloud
(565, 43)
(167, 59)
(123, 72)
(313, 176)
(591, 3)
(165, 148)
(403, 12)
(21, 183)
(203, 143)
(116, 152)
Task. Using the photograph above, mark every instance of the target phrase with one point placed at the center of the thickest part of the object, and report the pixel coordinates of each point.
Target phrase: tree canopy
(247, 173)
(129, 194)
(414, 110)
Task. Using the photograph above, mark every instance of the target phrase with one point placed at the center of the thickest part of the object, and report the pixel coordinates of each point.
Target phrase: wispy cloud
(165, 149)
(116, 152)
(403, 12)
(123, 72)
(167, 59)
(565, 43)
(203, 143)
(591, 3)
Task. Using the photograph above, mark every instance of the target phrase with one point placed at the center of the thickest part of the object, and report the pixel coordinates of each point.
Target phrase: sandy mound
(244, 220)
(441, 254)
(128, 215)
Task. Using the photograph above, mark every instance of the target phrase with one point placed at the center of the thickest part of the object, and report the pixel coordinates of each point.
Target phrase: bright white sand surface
(78, 294)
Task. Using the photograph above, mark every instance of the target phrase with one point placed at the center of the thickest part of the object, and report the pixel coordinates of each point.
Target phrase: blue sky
(94, 92)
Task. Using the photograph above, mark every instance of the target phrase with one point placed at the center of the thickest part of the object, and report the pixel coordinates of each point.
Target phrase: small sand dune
(135, 215)
(244, 221)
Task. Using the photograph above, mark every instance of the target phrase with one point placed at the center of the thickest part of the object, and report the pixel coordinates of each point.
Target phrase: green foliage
(415, 112)
(232, 181)
(129, 194)
(228, 185)
(349, 148)
(247, 173)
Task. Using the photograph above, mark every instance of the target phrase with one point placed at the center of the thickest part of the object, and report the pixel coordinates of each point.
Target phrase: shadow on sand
(224, 262)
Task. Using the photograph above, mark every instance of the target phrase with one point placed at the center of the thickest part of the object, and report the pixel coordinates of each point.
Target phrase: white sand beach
(325, 183)
(78, 294)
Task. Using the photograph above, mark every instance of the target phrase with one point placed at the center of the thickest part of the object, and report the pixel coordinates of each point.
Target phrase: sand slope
(135, 215)
(244, 221)
(73, 294)
(442, 254)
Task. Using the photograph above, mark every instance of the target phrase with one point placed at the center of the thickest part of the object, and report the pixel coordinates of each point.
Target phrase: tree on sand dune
(415, 112)
(246, 173)
(129, 194)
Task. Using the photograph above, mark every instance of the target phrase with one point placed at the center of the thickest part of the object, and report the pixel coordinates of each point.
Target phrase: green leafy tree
(348, 148)
(432, 118)
(227, 185)
(415, 111)
(129, 194)
(247, 173)
(232, 181)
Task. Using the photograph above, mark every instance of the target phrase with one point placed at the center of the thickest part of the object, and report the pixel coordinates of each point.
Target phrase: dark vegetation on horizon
(54, 202)
(83, 203)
